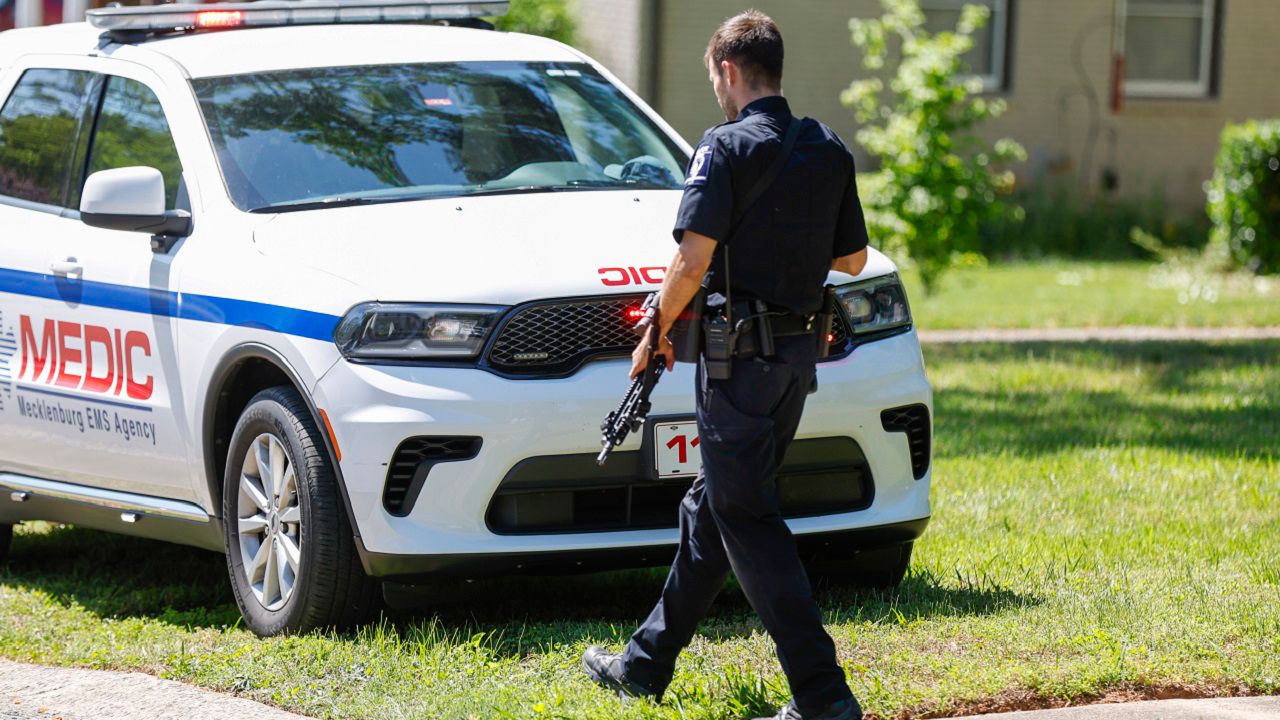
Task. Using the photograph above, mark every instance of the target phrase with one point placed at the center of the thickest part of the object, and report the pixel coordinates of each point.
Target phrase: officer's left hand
(640, 356)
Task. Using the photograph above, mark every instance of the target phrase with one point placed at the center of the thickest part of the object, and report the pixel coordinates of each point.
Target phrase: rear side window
(131, 131)
(42, 126)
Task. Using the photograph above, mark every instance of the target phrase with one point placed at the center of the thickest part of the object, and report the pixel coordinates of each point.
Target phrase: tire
(881, 569)
(307, 574)
(6, 537)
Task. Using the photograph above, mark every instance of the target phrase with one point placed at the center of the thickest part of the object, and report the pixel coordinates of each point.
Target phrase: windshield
(303, 138)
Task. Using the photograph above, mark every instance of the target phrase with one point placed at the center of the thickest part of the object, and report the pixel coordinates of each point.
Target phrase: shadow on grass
(122, 577)
(1210, 398)
(119, 576)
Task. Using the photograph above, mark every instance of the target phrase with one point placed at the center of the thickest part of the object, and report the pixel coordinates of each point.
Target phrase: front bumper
(373, 408)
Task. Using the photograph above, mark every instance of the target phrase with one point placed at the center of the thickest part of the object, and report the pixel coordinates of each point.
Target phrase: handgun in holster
(686, 331)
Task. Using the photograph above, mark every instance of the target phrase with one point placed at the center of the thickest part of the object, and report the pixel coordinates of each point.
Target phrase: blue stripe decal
(83, 398)
(162, 303)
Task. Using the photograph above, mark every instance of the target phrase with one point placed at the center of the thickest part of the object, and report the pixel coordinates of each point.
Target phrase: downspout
(651, 53)
(73, 10)
(28, 13)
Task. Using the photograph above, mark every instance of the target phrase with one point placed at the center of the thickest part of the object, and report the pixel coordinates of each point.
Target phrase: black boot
(606, 669)
(843, 710)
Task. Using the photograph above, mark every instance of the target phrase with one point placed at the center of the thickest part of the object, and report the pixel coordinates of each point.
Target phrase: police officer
(806, 222)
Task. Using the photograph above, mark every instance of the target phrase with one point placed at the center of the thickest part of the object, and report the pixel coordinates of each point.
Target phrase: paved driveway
(28, 692)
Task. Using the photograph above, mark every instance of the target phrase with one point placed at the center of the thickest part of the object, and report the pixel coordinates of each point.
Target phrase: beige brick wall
(1152, 146)
(612, 32)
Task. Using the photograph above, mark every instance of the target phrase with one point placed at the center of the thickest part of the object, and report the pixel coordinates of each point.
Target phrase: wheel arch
(243, 372)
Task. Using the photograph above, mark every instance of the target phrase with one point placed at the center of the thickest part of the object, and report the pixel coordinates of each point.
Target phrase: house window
(1169, 48)
(987, 58)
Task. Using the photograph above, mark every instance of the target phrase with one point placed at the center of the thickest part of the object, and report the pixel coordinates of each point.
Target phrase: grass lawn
(1081, 294)
(1106, 516)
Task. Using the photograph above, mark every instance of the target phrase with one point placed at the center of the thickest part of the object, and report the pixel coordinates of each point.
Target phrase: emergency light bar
(155, 19)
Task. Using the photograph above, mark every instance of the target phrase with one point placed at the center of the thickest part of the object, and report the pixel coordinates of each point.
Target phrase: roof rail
(135, 24)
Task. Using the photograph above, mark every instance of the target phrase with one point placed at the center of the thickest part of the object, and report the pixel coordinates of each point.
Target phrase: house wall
(1058, 98)
(613, 33)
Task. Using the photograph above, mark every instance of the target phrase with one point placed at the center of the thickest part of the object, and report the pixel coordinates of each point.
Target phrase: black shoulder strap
(740, 211)
(770, 175)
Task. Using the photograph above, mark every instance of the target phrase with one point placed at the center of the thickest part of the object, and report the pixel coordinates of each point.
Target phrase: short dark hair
(752, 41)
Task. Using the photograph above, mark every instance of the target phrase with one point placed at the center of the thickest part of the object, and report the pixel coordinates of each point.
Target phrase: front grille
(559, 336)
(411, 463)
(914, 421)
(564, 494)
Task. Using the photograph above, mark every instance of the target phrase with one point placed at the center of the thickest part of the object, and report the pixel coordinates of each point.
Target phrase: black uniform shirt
(783, 246)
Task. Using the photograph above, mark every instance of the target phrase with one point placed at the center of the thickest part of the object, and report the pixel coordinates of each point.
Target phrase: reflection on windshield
(303, 136)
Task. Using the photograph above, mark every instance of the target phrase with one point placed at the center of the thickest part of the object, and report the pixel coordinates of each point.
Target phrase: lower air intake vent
(572, 493)
(914, 421)
(413, 460)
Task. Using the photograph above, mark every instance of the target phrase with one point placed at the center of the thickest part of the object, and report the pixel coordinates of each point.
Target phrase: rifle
(631, 414)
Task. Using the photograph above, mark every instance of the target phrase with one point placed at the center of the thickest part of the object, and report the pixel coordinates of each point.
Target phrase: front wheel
(6, 537)
(880, 569)
(290, 549)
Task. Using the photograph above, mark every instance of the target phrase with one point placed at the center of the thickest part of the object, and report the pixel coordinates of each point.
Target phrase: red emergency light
(214, 19)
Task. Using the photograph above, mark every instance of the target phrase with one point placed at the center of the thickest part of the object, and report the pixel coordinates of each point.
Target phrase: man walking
(779, 191)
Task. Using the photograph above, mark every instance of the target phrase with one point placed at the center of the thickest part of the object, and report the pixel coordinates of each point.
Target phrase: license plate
(676, 451)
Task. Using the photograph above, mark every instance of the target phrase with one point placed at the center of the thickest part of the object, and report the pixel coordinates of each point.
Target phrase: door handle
(67, 267)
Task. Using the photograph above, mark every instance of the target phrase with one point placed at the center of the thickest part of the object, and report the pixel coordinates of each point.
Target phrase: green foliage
(1244, 196)
(38, 147)
(548, 18)
(938, 181)
(1054, 219)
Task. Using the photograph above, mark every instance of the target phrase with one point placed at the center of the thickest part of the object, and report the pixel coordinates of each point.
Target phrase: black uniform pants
(730, 520)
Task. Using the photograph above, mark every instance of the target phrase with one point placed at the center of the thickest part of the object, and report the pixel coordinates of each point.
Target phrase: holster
(686, 331)
(825, 321)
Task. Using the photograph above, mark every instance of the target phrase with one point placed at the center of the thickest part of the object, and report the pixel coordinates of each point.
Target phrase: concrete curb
(1112, 334)
(28, 692)
(1249, 708)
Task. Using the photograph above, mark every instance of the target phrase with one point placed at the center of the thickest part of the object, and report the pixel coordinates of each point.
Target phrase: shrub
(548, 18)
(938, 181)
(1244, 196)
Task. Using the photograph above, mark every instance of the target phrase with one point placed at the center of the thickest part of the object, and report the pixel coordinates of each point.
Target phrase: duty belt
(791, 324)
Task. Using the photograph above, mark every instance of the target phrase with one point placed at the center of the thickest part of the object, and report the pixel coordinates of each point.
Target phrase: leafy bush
(1244, 196)
(938, 181)
(548, 18)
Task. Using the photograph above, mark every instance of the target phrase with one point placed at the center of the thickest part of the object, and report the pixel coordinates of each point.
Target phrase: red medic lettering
(61, 354)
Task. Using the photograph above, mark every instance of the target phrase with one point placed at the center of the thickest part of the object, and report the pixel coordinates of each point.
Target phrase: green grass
(1105, 516)
(1082, 294)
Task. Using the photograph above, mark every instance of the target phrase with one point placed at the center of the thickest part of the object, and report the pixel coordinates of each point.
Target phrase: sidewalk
(32, 692)
(1112, 334)
(1255, 708)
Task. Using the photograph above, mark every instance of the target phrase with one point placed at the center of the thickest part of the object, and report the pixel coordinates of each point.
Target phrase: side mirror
(131, 199)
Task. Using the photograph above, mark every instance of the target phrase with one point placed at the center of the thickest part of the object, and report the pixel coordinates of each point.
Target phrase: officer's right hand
(640, 356)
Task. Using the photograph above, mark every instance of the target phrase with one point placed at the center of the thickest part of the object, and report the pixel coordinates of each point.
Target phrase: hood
(500, 250)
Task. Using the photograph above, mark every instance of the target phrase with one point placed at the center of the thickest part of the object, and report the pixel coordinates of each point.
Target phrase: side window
(1169, 48)
(988, 58)
(132, 131)
(41, 129)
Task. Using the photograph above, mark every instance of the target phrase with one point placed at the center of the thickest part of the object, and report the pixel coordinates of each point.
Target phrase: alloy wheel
(270, 522)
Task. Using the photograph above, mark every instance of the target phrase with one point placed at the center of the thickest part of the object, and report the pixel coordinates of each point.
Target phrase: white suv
(348, 301)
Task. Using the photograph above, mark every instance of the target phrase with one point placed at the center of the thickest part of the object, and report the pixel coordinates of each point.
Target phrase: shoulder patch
(700, 167)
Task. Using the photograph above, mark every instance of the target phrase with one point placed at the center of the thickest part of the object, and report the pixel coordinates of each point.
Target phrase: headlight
(406, 332)
(875, 305)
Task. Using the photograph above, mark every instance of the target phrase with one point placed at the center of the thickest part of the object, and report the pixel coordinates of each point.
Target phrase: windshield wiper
(524, 189)
(333, 202)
